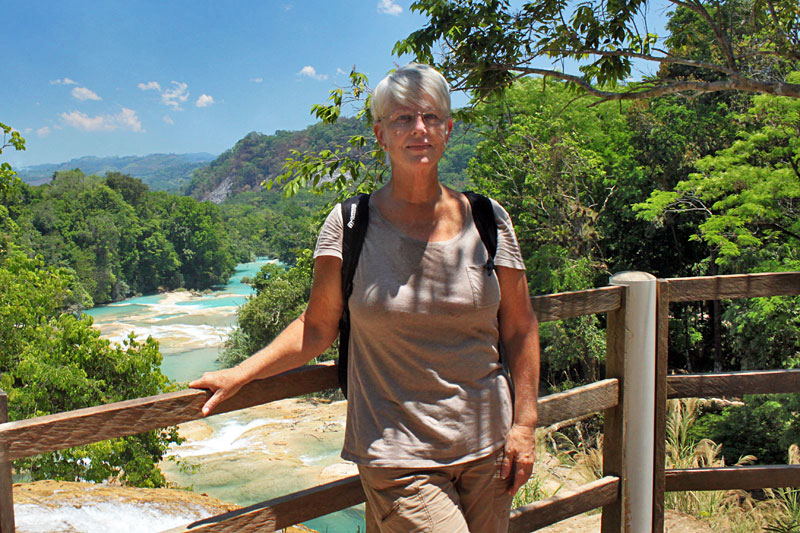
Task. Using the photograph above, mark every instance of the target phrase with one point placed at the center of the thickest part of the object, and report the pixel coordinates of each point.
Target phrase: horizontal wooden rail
(49, 433)
(735, 286)
(597, 396)
(733, 477)
(543, 513)
(285, 511)
(83, 426)
(733, 383)
(571, 304)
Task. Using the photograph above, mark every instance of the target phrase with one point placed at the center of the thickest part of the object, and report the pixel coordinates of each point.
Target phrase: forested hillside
(119, 238)
(160, 172)
(258, 157)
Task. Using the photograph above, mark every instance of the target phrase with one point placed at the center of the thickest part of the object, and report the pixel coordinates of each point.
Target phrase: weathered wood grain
(660, 417)
(734, 286)
(733, 477)
(597, 396)
(64, 430)
(733, 383)
(571, 304)
(285, 511)
(614, 428)
(6, 482)
(543, 513)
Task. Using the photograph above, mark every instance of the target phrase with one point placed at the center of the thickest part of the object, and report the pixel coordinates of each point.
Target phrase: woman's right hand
(224, 384)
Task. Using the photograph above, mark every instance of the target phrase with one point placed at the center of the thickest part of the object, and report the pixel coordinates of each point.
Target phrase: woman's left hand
(520, 453)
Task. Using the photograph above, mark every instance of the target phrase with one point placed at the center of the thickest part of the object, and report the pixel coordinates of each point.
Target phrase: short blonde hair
(408, 86)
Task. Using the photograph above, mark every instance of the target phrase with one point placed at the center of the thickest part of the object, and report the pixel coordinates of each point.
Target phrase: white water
(229, 437)
(191, 329)
(102, 518)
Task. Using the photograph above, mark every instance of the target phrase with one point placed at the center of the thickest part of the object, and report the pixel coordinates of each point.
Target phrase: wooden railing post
(631, 359)
(6, 485)
(660, 434)
(613, 420)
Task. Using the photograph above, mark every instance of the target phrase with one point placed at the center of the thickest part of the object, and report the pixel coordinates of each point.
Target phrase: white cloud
(389, 7)
(168, 119)
(82, 93)
(43, 131)
(204, 100)
(125, 119)
(341, 72)
(150, 85)
(175, 96)
(64, 81)
(311, 72)
(257, 80)
(82, 121)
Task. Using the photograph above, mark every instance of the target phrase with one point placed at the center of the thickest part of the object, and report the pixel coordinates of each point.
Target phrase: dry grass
(732, 511)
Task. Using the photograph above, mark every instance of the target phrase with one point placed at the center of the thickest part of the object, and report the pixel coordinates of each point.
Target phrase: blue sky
(137, 77)
(115, 77)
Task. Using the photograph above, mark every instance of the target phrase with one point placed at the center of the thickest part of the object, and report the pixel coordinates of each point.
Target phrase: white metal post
(639, 398)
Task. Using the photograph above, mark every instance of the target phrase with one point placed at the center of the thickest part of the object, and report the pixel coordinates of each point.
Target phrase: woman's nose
(419, 123)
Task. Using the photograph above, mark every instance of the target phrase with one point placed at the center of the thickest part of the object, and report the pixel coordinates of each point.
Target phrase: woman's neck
(415, 188)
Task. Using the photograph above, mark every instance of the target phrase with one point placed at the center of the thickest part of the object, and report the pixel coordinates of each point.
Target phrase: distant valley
(161, 172)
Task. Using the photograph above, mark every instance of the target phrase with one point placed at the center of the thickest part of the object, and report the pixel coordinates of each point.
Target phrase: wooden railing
(25, 438)
(715, 385)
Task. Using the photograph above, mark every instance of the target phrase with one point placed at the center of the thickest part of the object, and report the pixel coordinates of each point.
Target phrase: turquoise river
(191, 330)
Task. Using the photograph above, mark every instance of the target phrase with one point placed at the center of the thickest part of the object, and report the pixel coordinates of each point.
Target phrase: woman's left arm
(519, 331)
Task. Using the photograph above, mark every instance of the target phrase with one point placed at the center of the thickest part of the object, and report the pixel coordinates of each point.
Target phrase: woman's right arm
(305, 338)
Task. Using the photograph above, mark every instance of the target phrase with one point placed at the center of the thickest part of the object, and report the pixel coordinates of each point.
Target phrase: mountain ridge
(161, 171)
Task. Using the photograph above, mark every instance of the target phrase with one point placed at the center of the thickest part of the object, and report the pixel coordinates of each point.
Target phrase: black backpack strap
(483, 216)
(355, 219)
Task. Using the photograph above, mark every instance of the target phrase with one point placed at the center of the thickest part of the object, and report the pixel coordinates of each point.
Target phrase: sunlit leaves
(484, 46)
(7, 175)
(748, 193)
(354, 166)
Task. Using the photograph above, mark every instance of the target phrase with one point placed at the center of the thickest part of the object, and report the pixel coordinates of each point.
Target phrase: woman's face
(413, 136)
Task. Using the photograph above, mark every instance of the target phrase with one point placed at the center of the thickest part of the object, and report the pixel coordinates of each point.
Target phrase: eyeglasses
(406, 120)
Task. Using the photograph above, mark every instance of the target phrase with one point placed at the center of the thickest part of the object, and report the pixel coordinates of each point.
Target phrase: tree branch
(722, 39)
(739, 83)
(648, 57)
(792, 50)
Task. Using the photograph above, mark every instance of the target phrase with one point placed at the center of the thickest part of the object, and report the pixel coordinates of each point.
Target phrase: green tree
(556, 168)
(196, 232)
(748, 194)
(765, 427)
(10, 138)
(487, 45)
(281, 296)
(53, 361)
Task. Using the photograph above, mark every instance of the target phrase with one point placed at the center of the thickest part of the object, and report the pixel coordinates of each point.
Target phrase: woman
(439, 442)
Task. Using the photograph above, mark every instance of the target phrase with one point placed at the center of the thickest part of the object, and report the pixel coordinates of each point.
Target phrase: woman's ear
(379, 135)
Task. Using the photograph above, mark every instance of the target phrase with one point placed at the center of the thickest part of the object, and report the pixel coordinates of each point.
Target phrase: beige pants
(469, 497)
